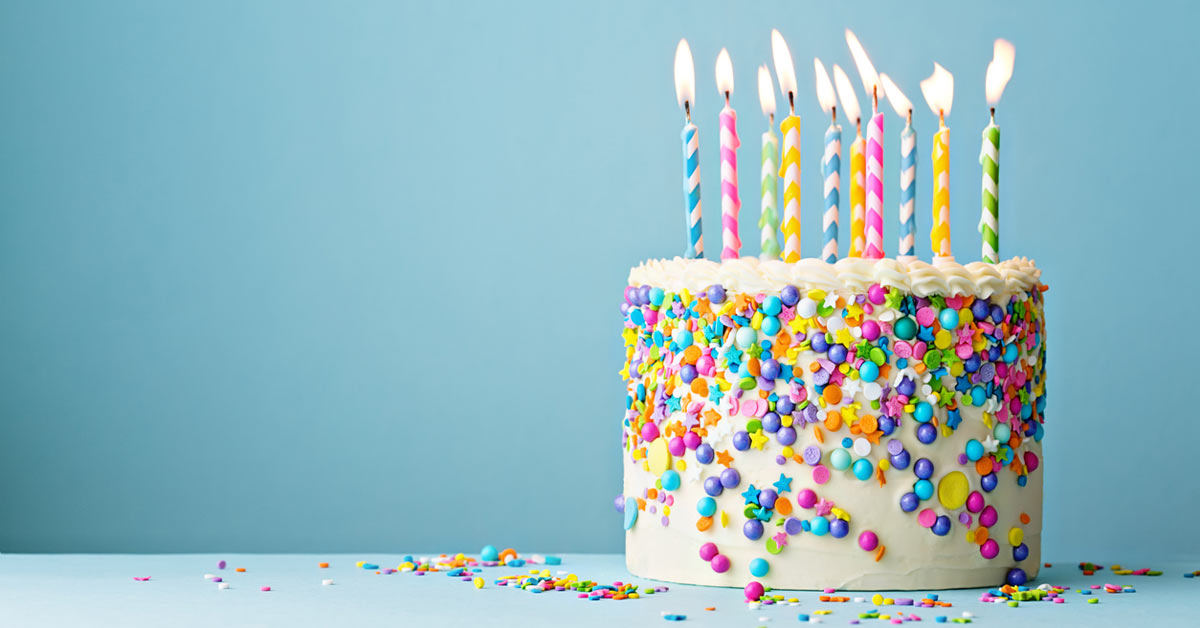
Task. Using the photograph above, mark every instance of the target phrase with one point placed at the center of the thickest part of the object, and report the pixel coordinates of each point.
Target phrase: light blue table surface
(99, 590)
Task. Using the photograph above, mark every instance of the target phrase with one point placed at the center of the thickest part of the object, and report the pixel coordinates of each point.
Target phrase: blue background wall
(284, 276)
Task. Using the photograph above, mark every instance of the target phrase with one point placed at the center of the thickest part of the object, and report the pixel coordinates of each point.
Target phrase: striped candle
(874, 159)
(857, 196)
(691, 191)
(908, 190)
(939, 235)
(790, 171)
(989, 219)
(831, 167)
(770, 177)
(731, 203)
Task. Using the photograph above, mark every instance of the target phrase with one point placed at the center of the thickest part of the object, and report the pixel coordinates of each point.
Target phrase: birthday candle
(874, 248)
(770, 167)
(874, 155)
(939, 93)
(849, 101)
(998, 72)
(790, 160)
(731, 204)
(908, 167)
(831, 163)
(685, 80)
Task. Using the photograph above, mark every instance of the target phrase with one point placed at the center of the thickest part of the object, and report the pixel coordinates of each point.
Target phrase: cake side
(870, 424)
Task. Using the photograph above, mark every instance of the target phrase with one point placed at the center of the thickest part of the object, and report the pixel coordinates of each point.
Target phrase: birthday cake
(865, 424)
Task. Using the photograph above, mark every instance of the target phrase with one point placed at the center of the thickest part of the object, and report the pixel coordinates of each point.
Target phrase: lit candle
(731, 204)
(685, 80)
(770, 168)
(938, 90)
(849, 101)
(998, 73)
(874, 156)
(790, 160)
(908, 168)
(831, 162)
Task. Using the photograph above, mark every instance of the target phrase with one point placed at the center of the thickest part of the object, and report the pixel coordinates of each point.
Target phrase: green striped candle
(989, 219)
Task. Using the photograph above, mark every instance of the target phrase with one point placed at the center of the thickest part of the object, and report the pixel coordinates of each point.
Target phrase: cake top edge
(852, 274)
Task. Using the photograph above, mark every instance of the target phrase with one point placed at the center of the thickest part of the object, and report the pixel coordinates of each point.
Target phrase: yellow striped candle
(939, 93)
(858, 163)
(789, 164)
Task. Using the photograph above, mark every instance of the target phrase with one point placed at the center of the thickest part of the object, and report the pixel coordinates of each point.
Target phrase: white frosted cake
(867, 424)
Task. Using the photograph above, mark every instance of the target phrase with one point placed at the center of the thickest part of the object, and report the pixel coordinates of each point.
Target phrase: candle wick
(687, 111)
(833, 114)
(993, 114)
(726, 99)
(941, 117)
(770, 119)
(792, 102)
(858, 125)
(910, 117)
(874, 98)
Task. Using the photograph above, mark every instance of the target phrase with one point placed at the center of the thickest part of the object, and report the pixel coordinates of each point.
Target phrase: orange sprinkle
(879, 552)
(619, 596)
(917, 366)
(818, 435)
(981, 535)
(797, 458)
(832, 394)
(323, 565)
(512, 553)
(1024, 518)
(855, 429)
(833, 420)
(704, 523)
(983, 466)
(641, 506)
(783, 506)
(867, 424)
(879, 476)
(691, 354)
(874, 437)
(710, 608)
(700, 387)
(814, 367)
(754, 367)
(652, 493)
(824, 598)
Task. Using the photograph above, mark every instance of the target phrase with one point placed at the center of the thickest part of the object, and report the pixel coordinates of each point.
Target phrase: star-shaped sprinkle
(758, 439)
(893, 299)
(673, 404)
(831, 300)
(724, 459)
(823, 507)
(751, 495)
(711, 417)
(990, 444)
(783, 485)
(781, 539)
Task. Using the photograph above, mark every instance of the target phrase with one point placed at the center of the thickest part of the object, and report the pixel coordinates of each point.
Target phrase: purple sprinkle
(666, 522)
(894, 446)
(904, 601)
(780, 459)
(962, 459)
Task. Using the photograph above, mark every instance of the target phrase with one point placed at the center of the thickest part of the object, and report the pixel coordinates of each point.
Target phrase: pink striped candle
(874, 156)
(731, 203)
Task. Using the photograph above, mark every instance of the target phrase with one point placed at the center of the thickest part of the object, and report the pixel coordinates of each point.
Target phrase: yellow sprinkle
(666, 511)
(478, 581)
(724, 519)
(877, 599)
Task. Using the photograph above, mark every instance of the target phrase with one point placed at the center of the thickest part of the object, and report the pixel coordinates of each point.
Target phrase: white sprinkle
(860, 600)
(209, 576)
(326, 582)
(222, 585)
(968, 614)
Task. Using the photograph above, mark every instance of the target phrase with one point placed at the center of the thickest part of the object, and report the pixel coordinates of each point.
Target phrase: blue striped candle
(691, 191)
(831, 168)
(908, 189)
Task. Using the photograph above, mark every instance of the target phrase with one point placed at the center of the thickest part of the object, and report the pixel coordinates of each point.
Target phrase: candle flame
(865, 69)
(999, 70)
(938, 90)
(685, 74)
(783, 64)
(825, 93)
(724, 72)
(845, 90)
(766, 91)
(900, 102)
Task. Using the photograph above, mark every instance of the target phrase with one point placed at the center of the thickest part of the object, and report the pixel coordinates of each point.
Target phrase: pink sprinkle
(1059, 600)
(831, 590)
(141, 579)
(265, 589)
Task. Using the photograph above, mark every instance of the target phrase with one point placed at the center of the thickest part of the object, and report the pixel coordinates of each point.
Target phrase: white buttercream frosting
(852, 274)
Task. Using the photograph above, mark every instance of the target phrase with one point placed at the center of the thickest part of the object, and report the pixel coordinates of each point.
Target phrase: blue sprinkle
(553, 560)
(941, 619)
(802, 617)
(674, 617)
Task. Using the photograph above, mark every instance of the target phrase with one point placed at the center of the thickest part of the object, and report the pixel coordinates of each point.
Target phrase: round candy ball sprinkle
(868, 540)
(719, 563)
(708, 551)
(754, 591)
(759, 567)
